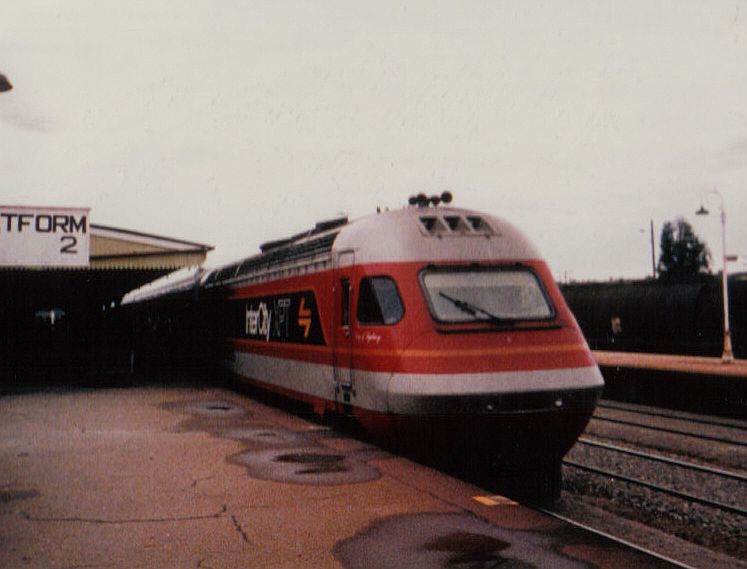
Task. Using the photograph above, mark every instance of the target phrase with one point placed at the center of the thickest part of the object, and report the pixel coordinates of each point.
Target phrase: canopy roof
(120, 260)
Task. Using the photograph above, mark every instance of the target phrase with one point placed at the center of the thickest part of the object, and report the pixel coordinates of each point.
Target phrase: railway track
(704, 437)
(706, 428)
(686, 496)
(669, 414)
(616, 539)
(664, 459)
(681, 474)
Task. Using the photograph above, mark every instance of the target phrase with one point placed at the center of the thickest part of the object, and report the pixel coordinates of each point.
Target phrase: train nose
(548, 391)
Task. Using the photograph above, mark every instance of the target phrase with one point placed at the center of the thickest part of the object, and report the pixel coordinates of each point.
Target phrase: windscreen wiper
(473, 309)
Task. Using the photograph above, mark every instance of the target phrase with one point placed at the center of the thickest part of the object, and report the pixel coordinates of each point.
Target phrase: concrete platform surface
(672, 362)
(205, 478)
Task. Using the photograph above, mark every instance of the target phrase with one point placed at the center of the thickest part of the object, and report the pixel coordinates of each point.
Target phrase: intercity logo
(304, 318)
(290, 317)
(258, 321)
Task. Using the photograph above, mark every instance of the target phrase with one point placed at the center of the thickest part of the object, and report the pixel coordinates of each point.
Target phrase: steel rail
(673, 431)
(665, 459)
(690, 418)
(611, 537)
(657, 488)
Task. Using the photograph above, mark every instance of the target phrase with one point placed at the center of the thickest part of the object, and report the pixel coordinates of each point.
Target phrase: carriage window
(379, 301)
(494, 295)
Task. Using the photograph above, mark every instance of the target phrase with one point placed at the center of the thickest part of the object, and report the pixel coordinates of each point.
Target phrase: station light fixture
(5, 85)
(727, 356)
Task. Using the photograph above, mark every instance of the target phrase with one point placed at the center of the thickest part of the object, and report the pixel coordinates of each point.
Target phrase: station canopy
(117, 261)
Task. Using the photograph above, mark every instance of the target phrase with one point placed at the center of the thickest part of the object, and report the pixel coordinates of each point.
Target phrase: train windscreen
(500, 295)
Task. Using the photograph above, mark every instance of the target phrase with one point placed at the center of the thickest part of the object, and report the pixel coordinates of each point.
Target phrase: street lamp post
(653, 251)
(727, 355)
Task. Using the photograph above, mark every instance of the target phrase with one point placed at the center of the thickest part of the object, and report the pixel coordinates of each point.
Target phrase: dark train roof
(320, 227)
(302, 247)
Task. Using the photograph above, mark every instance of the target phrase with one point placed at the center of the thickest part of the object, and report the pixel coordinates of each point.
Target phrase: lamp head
(5, 85)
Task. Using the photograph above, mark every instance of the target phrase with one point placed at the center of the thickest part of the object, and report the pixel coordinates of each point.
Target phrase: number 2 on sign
(71, 243)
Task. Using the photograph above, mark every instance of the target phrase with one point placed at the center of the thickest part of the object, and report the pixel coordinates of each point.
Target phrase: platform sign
(44, 236)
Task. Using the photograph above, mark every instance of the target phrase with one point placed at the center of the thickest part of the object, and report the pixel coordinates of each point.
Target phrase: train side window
(345, 302)
(379, 301)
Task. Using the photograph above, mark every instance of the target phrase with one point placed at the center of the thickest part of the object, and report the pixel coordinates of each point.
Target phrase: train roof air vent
(454, 224)
(433, 224)
(479, 225)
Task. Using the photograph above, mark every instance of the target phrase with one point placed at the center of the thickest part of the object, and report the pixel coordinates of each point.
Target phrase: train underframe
(517, 453)
(513, 450)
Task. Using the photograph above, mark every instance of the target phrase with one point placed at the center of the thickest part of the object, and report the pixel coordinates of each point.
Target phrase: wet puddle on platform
(7, 496)
(314, 465)
(443, 541)
(280, 454)
(265, 436)
(214, 408)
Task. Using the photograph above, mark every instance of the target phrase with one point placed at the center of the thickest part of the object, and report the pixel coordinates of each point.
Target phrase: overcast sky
(234, 122)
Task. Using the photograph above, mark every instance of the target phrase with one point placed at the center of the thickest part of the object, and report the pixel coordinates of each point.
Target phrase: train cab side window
(345, 302)
(379, 301)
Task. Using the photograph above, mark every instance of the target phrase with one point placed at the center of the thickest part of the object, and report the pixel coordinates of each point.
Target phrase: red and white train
(439, 330)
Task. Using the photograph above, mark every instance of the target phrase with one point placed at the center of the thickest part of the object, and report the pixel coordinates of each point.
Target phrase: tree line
(682, 255)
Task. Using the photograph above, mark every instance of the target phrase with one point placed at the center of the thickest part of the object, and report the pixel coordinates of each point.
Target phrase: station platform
(670, 362)
(686, 383)
(156, 476)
